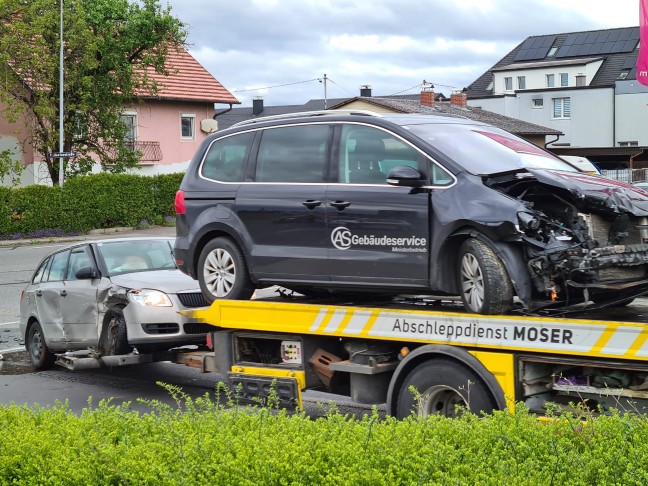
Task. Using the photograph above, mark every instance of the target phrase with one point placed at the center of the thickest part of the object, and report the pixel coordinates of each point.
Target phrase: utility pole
(325, 100)
(61, 162)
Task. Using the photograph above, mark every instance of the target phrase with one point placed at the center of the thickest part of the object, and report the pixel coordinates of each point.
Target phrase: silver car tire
(484, 284)
(39, 354)
(116, 337)
(223, 272)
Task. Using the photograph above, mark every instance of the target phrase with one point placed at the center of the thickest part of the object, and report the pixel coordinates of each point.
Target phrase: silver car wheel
(37, 344)
(220, 272)
(472, 281)
(440, 399)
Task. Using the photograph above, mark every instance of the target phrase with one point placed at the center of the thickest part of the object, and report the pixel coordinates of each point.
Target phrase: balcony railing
(151, 151)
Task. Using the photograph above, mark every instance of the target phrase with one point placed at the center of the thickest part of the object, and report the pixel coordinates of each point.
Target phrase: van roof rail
(307, 113)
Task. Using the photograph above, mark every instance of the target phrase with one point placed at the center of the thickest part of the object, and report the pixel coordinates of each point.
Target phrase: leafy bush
(203, 442)
(88, 202)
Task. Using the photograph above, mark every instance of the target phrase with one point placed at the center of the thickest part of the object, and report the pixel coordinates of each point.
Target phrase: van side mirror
(86, 273)
(407, 176)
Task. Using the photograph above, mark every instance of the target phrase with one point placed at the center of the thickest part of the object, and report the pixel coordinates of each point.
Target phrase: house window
(188, 126)
(538, 102)
(580, 80)
(561, 107)
(552, 52)
(508, 84)
(629, 144)
(623, 74)
(521, 82)
(564, 79)
(550, 80)
(130, 120)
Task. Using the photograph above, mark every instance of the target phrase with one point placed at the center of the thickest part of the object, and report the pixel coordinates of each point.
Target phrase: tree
(109, 45)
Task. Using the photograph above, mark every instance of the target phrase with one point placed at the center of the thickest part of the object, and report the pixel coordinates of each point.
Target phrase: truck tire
(223, 272)
(116, 337)
(441, 385)
(485, 286)
(39, 354)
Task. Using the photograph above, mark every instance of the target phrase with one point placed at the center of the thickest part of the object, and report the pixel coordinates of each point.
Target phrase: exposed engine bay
(583, 241)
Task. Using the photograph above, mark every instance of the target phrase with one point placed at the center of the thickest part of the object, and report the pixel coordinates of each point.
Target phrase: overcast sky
(391, 45)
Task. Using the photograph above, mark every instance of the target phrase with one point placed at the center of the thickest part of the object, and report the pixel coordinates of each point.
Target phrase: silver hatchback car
(110, 295)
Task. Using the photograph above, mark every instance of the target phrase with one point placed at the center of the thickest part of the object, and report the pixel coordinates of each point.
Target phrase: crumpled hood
(621, 196)
(168, 281)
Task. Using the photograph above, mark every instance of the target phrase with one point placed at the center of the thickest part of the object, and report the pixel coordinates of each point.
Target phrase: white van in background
(581, 163)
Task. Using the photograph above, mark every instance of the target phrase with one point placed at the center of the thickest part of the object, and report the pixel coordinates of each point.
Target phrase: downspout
(222, 112)
(552, 141)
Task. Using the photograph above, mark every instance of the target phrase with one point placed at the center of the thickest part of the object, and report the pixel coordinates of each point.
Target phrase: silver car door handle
(63, 293)
(39, 293)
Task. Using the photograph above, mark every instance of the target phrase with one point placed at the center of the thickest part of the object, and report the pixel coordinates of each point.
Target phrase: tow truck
(418, 354)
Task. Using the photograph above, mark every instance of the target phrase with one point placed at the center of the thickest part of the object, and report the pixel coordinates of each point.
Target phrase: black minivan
(340, 202)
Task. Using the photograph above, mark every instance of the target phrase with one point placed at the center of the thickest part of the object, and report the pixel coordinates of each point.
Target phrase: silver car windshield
(136, 256)
(484, 150)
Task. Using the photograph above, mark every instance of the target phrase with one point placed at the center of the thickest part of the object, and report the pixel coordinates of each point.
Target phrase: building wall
(159, 121)
(631, 109)
(591, 123)
(14, 137)
(537, 78)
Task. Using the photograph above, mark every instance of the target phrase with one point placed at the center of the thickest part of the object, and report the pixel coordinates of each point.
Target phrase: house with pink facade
(166, 127)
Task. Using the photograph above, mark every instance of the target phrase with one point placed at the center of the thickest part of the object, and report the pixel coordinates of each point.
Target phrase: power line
(329, 79)
(423, 84)
(277, 86)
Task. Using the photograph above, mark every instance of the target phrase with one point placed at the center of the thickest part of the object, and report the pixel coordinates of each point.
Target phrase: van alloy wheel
(223, 272)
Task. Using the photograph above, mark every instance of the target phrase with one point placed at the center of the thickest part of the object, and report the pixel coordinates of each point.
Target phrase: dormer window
(623, 74)
(552, 52)
(508, 84)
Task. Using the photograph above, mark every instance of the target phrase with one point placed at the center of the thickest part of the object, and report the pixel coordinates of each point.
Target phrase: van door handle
(312, 203)
(63, 293)
(340, 205)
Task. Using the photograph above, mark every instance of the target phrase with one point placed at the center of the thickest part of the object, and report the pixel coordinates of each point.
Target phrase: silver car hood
(168, 281)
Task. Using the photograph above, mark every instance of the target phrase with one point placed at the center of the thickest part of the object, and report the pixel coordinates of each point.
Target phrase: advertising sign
(642, 59)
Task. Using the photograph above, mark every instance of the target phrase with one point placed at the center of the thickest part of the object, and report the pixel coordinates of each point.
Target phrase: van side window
(225, 158)
(293, 154)
(367, 155)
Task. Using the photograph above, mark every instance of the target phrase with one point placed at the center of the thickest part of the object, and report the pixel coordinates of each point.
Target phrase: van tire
(484, 283)
(223, 272)
(441, 385)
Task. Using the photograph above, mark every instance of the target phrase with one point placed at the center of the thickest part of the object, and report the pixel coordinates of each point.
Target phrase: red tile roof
(188, 81)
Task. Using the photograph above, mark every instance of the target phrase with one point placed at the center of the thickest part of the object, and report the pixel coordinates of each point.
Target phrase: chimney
(257, 105)
(459, 99)
(427, 96)
(365, 91)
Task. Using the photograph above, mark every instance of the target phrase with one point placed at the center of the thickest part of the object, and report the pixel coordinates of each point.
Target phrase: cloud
(389, 45)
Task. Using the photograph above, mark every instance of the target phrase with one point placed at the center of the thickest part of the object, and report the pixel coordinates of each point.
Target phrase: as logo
(341, 238)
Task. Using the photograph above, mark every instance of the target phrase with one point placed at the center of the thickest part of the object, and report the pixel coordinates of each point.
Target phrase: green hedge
(208, 444)
(88, 202)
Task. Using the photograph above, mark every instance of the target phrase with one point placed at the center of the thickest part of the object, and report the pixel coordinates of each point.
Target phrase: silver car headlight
(151, 298)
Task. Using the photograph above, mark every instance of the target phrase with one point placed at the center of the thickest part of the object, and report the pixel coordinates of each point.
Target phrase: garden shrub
(88, 202)
(206, 443)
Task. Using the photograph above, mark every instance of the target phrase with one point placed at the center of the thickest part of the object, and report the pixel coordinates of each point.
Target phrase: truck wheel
(39, 354)
(442, 385)
(116, 337)
(485, 285)
(222, 272)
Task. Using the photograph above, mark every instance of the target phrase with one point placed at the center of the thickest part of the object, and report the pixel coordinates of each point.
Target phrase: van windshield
(484, 150)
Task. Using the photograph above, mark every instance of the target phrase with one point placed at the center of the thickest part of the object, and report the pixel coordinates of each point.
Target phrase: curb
(90, 235)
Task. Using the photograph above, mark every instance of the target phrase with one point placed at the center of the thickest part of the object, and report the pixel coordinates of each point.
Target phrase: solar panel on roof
(594, 43)
(535, 48)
